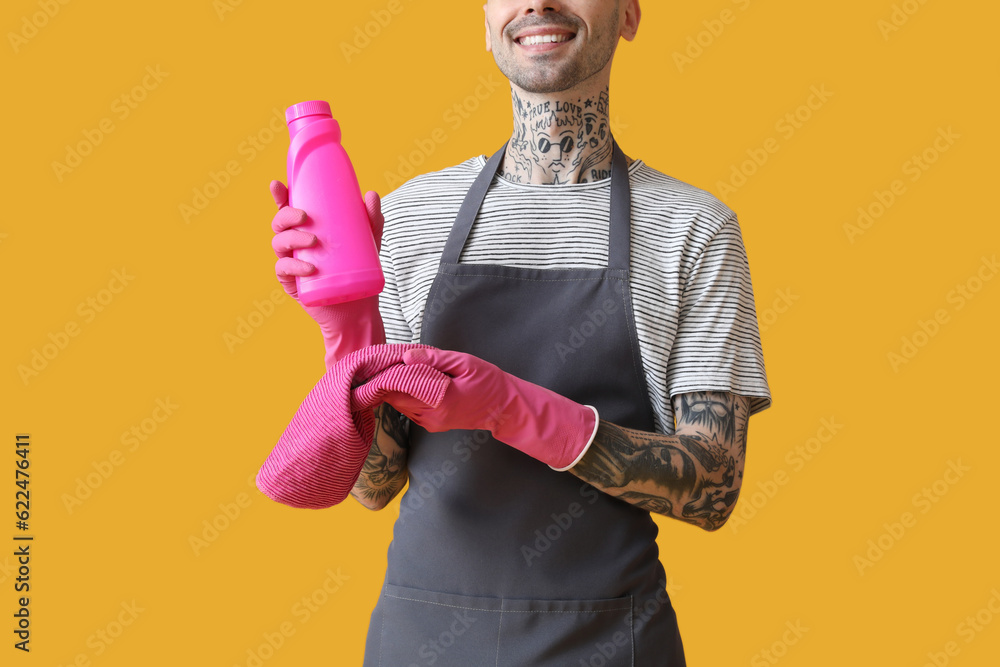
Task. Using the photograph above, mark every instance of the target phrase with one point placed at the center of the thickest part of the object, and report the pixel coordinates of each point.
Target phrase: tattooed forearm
(559, 141)
(648, 502)
(710, 411)
(384, 472)
(621, 457)
(606, 462)
(394, 426)
(694, 475)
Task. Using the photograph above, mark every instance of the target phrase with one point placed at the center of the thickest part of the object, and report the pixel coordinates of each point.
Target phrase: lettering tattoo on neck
(559, 141)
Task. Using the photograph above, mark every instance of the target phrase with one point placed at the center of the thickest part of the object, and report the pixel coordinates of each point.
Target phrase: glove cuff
(597, 423)
(351, 333)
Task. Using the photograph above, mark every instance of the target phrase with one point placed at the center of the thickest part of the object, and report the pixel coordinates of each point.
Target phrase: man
(597, 319)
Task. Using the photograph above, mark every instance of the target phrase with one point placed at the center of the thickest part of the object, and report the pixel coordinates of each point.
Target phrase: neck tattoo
(557, 141)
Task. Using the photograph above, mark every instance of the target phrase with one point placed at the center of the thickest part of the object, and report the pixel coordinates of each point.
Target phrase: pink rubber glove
(346, 327)
(539, 422)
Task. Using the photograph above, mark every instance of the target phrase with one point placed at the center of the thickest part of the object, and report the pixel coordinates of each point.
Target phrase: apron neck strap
(619, 232)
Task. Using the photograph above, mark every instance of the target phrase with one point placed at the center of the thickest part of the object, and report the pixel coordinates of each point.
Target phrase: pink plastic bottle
(321, 182)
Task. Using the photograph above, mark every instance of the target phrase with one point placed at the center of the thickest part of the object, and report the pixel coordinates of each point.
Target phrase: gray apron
(496, 559)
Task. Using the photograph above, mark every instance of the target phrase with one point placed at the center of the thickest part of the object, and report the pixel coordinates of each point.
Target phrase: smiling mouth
(532, 40)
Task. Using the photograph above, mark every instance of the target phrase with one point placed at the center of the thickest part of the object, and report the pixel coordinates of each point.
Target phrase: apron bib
(497, 559)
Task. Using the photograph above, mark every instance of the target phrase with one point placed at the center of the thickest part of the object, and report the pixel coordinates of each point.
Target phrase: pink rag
(319, 457)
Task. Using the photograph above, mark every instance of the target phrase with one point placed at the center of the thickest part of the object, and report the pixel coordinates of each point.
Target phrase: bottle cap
(311, 108)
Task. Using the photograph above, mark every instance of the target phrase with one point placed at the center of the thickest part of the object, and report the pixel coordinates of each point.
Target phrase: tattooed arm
(384, 472)
(694, 475)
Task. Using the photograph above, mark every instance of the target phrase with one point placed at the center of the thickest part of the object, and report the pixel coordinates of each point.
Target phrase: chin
(556, 83)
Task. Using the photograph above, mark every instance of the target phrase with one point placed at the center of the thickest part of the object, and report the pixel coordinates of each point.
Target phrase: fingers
(287, 282)
(405, 405)
(446, 361)
(375, 218)
(287, 217)
(288, 267)
(280, 193)
(285, 242)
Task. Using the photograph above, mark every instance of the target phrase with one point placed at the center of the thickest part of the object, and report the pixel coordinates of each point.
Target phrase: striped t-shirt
(690, 279)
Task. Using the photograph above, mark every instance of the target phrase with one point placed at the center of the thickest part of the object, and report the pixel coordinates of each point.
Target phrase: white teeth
(543, 39)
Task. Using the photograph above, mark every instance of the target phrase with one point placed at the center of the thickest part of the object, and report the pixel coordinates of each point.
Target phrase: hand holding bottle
(346, 327)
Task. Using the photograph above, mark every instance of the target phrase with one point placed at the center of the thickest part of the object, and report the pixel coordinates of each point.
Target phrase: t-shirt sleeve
(717, 346)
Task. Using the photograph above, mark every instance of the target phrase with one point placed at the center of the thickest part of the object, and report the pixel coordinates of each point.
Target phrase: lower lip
(545, 46)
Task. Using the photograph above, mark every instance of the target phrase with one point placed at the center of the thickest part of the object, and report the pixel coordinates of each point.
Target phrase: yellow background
(163, 335)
